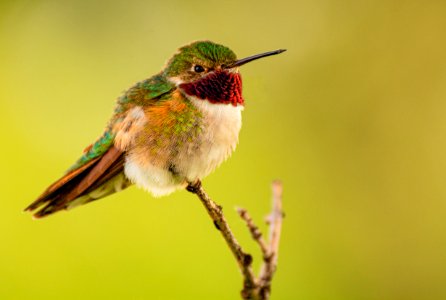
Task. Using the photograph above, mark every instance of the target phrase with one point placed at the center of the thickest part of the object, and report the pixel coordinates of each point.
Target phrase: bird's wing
(99, 171)
(101, 159)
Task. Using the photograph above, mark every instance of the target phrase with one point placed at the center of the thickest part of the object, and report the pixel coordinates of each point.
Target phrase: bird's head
(209, 71)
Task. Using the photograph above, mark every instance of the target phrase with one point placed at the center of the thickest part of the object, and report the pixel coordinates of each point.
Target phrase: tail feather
(61, 185)
(116, 184)
(91, 181)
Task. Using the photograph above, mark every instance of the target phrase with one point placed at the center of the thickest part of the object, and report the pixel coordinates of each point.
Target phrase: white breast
(221, 127)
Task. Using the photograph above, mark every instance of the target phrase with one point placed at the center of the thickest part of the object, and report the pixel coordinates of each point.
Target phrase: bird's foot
(193, 187)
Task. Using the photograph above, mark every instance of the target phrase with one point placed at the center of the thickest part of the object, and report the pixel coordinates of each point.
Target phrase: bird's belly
(194, 159)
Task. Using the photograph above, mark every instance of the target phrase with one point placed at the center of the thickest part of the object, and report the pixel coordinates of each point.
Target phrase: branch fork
(254, 288)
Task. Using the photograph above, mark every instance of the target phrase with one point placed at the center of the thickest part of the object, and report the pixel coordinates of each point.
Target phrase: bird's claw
(193, 187)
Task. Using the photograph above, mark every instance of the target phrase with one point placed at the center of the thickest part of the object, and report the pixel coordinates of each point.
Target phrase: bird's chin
(235, 70)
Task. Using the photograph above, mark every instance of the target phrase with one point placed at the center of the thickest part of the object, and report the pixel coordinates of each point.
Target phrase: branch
(253, 288)
(215, 211)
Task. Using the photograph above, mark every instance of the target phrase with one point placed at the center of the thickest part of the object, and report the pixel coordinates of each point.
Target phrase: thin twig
(275, 228)
(255, 232)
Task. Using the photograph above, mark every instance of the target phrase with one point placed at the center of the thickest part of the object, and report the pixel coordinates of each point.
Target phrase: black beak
(248, 59)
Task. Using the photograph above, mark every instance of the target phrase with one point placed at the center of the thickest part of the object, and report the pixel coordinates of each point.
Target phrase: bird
(166, 132)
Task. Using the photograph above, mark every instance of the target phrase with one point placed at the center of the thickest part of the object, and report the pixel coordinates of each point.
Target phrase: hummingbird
(166, 132)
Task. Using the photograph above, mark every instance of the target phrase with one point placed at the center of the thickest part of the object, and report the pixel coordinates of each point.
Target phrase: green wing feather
(95, 150)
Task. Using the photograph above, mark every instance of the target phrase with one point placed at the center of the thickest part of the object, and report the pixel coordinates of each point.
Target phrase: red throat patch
(218, 87)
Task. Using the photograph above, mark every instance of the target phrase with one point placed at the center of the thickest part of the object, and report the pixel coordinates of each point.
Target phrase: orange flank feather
(161, 115)
(79, 182)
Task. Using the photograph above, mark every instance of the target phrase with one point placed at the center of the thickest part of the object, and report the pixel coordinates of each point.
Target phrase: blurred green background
(351, 118)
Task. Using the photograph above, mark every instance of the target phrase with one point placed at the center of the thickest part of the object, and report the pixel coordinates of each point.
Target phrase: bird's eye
(198, 69)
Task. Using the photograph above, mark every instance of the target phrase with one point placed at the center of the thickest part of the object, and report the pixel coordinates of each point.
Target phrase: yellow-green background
(352, 119)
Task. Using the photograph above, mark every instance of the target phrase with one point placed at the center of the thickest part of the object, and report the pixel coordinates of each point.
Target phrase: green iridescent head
(197, 59)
